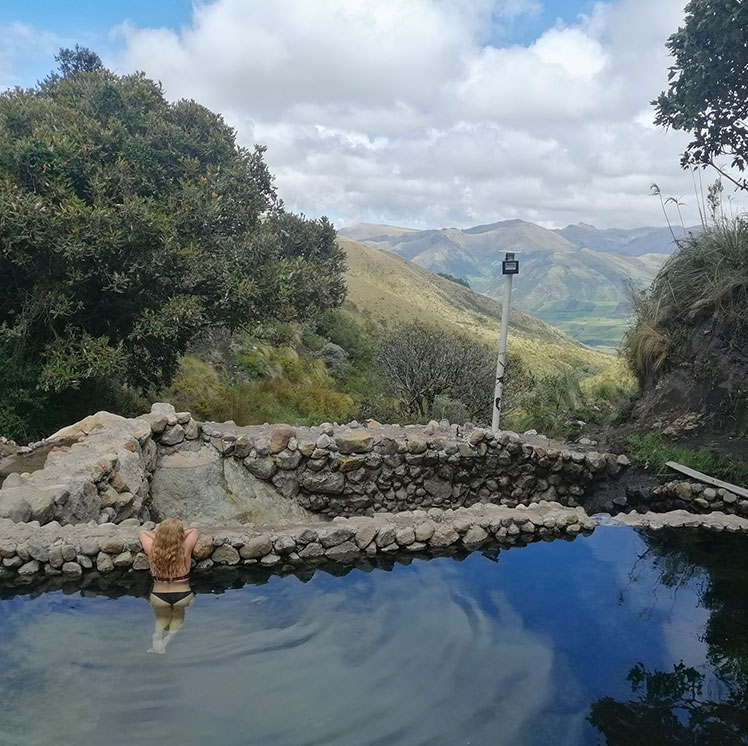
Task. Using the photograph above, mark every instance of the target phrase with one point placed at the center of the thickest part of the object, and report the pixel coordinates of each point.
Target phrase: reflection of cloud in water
(408, 657)
(638, 583)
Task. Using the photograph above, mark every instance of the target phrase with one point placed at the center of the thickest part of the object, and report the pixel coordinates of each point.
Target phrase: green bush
(128, 224)
(706, 277)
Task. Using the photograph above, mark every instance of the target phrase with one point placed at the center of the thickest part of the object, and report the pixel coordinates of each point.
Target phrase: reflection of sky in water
(438, 652)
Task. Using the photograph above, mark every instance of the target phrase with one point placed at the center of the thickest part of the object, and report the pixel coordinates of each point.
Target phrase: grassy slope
(388, 289)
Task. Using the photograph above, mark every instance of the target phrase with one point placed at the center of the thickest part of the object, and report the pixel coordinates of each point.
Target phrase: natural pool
(621, 637)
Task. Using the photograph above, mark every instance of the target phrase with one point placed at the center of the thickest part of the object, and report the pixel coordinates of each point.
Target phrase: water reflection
(532, 649)
(169, 609)
(685, 704)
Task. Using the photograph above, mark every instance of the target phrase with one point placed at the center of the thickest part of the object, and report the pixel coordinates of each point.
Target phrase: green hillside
(389, 289)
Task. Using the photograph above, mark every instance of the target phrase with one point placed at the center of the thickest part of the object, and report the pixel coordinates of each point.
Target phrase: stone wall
(360, 470)
(695, 497)
(30, 553)
(102, 476)
(110, 469)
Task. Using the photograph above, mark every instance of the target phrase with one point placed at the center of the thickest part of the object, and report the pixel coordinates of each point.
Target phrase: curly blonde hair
(167, 553)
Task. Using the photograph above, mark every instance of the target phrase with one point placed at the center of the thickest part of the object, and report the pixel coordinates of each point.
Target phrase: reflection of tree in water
(685, 706)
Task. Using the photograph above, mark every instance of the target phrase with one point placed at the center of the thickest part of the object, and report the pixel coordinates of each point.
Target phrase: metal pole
(501, 362)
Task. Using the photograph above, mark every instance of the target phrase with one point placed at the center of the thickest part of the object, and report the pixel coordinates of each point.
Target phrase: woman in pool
(169, 550)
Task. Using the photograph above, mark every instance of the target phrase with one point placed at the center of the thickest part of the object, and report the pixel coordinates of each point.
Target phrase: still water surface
(618, 638)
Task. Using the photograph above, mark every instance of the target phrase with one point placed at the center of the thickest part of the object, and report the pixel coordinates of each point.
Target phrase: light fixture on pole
(509, 268)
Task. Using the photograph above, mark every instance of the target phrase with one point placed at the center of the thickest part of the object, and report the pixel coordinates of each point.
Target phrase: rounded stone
(73, 569)
(284, 545)
(257, 546)
(225, 555)
(111, 545)
(124, 559)
(104, 563)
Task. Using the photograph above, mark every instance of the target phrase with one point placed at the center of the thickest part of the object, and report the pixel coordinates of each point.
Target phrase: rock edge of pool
(50, 557)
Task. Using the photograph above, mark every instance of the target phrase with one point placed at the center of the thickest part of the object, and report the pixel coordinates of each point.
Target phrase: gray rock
(243, 446)
(365, 534)
(437, 487)
(386, 535)
(405, 536)
(72, 569)
(31, 567)
(270, 560)
(284, 545)
(89, 546)
(257, 546)
(13, 505)
(474, 537)
(262, 468)
(84, 561)
(443, 536)
(140, 561)
(326, 483)
(111, 545)
(424, 530)
(12, 562)
(343, 552)
(38, 550)
(55, 557)
(417, 444)
(225, 555)
(191, 430)
(325, 442)
(312, 551)
(172, 435)
(288, 459)
(307, 536)
(7, 548)
(330, 536)
(287, 484)
(124, 559)
(104, 563)
(163, 408)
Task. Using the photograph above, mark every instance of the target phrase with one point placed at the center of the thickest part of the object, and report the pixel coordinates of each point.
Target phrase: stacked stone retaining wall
(695, 497)
(360, 470)
(167, 463)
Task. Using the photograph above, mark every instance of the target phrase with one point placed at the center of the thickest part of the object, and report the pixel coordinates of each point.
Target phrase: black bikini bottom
(171, 598)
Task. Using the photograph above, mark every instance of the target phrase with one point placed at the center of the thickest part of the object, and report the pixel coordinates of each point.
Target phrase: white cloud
(21, 41)
(407, 113)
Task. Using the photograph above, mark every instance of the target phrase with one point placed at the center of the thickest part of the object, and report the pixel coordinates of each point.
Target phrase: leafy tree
(127, 225)
(707, 92)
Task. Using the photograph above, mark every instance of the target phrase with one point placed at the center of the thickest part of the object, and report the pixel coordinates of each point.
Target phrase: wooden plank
(742, 491)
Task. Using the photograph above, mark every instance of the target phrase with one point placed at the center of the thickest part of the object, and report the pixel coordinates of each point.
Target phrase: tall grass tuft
(706, 277)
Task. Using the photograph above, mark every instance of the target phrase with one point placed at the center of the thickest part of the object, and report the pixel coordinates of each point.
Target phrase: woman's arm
(146, 540)
(190, 539)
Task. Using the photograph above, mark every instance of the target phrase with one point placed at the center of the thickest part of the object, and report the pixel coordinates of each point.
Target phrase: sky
(421, 113)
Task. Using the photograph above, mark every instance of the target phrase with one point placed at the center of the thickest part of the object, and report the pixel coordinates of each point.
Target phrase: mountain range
(576, 277)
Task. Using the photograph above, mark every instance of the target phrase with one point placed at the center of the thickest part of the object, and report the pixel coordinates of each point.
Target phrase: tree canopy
(128, 224)
(707, 92)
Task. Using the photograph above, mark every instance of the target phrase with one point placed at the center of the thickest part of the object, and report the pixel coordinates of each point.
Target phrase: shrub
(128, 224)
(335, 358)
(706, 278)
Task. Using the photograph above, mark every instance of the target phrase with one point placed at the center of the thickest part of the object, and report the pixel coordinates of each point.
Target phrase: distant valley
(576, 278)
